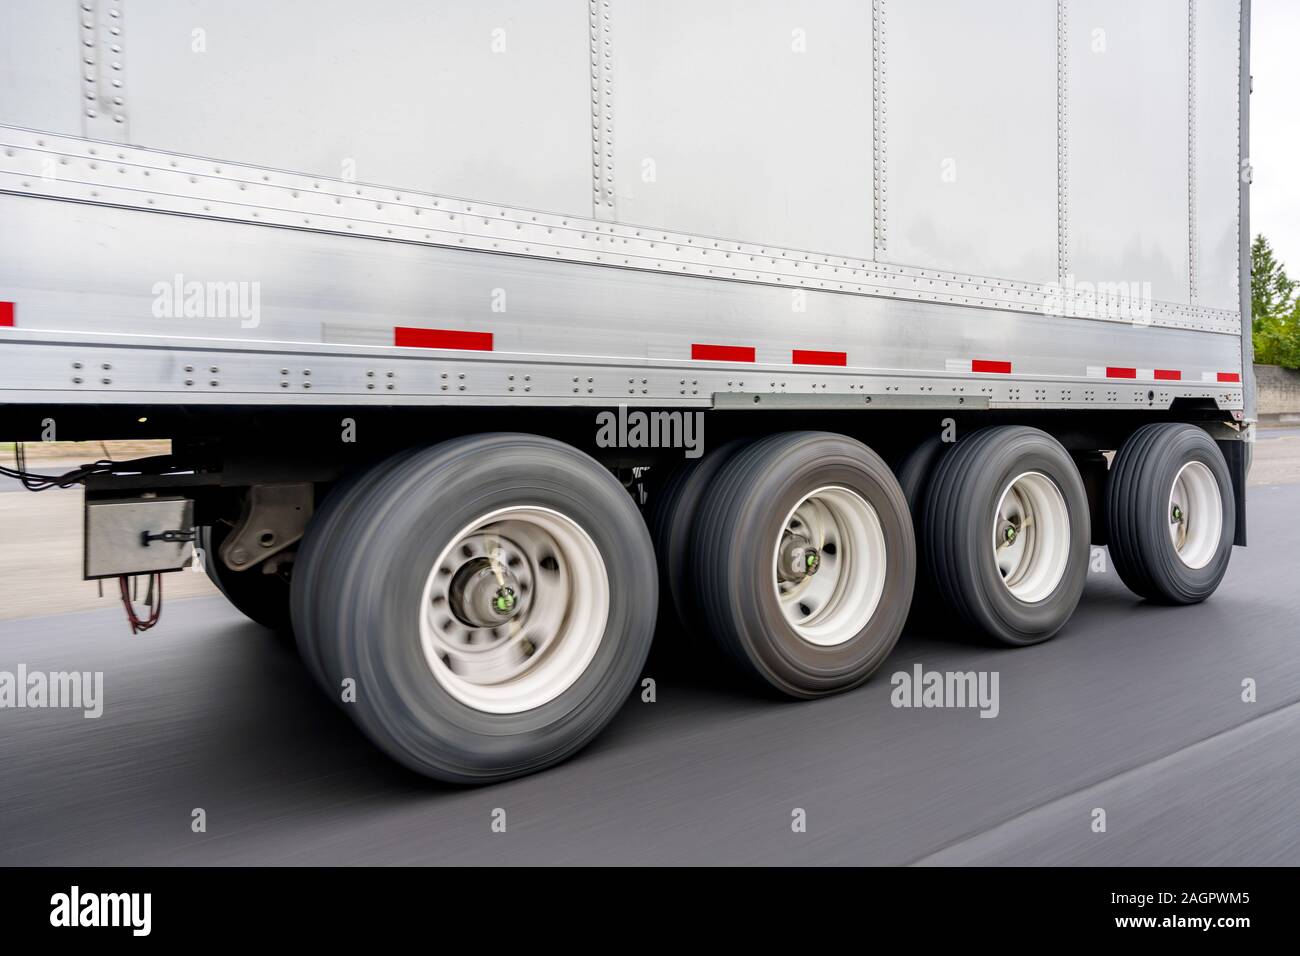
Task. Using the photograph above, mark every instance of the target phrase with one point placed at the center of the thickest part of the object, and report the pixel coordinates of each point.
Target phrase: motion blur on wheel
(803, 562)
(1007, 531)
(491, 599)
(1171, 513)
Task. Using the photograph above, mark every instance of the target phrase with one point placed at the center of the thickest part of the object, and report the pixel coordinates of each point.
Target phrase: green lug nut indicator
(504, 601)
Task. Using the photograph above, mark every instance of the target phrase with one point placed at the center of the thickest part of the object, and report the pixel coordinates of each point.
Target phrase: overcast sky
(1275, 127)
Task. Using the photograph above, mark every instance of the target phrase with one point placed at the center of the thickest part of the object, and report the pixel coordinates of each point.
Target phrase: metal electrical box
(121, 536)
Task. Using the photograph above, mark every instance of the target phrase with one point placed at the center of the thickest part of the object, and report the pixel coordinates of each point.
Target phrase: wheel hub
(484, 593)
(514, 609)
(829, 565)
(1031, 536)
(1195, 515)
(798, 558)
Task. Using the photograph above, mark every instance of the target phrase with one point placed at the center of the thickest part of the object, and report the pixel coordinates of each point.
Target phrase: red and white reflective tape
(813, 357)
(993, 366)
(722, 353)
(442, 339)
(1142, 374)
(6, 313)
(1223, 377)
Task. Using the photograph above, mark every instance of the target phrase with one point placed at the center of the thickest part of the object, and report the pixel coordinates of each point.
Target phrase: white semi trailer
(380, 272)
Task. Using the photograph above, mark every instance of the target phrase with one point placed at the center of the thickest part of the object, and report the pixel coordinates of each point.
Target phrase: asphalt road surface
(1136, 710)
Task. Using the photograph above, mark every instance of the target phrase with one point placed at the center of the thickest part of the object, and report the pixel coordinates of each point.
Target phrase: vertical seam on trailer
(103, 40)
(879, 133)
(1241, 158)
(88, 67)
(1192, 251)
(1249, 397)
(1062, 143)
(602, 108)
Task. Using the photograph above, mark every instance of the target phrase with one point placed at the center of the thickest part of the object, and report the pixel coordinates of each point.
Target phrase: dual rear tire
(1171, 514)
(481, 608)
(1006, 533)
(803, 562)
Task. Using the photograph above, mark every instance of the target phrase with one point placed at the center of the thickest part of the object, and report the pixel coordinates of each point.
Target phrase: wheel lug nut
(504, 600)
(798, 559)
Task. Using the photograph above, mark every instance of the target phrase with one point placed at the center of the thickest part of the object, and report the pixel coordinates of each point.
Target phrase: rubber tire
(1137, 502)
(262, 598)
(321, 539)
(959, 506)
(363, 592)
(740, 520)
(914, 471)
(673, 520)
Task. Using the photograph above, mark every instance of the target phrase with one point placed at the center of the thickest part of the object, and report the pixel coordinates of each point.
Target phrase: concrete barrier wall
(1279, 393)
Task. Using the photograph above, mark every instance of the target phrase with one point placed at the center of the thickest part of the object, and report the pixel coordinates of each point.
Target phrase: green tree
(1274, 308)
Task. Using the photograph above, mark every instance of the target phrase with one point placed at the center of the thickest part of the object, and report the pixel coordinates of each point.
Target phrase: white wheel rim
(1031, 536)
(1195, 515)
(832, 605)
(560, 589)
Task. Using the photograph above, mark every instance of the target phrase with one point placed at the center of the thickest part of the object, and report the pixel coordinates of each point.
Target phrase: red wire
(155, 612)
